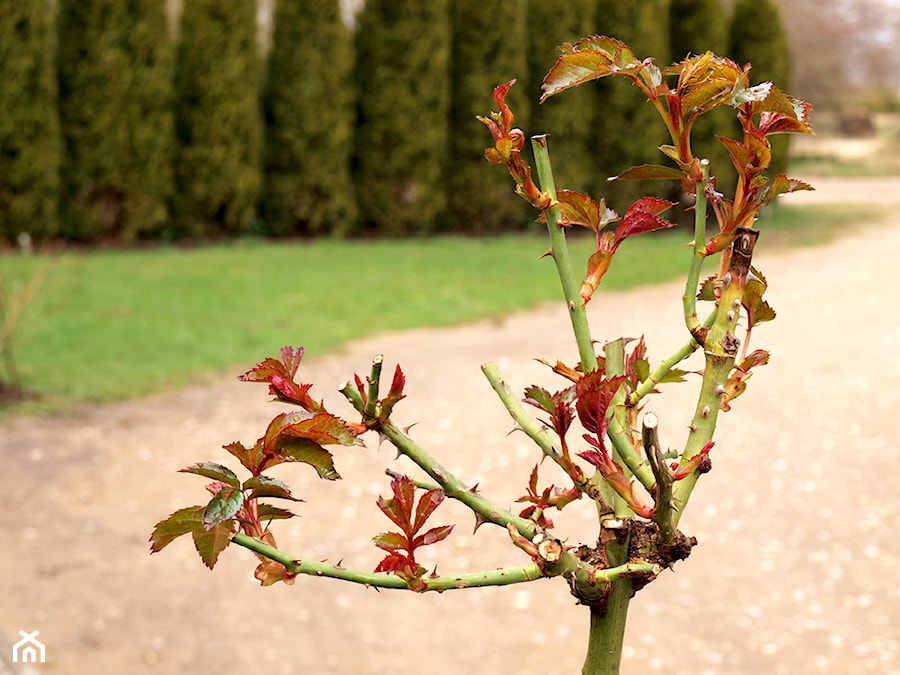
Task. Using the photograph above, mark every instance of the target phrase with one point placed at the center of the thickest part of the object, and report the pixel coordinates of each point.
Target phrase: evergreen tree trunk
(402, 135)
(115, 61)
(29, 125)
(308, 105)
(488, 49)
(218, 118)
(758, 37)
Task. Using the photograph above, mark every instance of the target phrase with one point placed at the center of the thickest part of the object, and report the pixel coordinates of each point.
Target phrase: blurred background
(150, 121)
(186, 186)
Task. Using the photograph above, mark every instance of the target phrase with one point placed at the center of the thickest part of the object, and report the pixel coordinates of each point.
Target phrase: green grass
(113, 324)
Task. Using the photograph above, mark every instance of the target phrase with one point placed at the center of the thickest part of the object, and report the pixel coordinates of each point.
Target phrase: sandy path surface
(797, 571)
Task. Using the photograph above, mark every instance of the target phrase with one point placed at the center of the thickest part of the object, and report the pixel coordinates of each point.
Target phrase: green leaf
(210, 543)
(223, 506)
(707, 289)
(269, 512)
(641, 369)
(308, 452)
(215, 471)
(651, 172)
(391, 541)
(264, 486)
(540, 398)
(180, 522)
(758, 310)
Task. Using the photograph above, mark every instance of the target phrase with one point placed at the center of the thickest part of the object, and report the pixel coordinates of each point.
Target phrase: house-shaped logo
(28, 650)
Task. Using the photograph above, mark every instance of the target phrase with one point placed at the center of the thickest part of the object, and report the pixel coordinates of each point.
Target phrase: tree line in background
(114, 130)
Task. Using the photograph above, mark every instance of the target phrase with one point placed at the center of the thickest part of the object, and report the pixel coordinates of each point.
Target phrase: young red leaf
(428, 502)
(432, 536)
(615, 476)
(737, 379)
(594, 394)
(251, 458)
(280, 376)
(643, 216)
(215, 471)
(589, 59)
(598, 265)
(226, 502)
(780, 185)
(178, 523)
(579, 209)
(211, 542)
(394, 395)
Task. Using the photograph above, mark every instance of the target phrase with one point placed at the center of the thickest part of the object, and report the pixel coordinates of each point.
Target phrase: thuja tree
(572, 125)
(758, 37)
(29, 126)
(597, 427)
(218, 118)
(643, 26)
(308, 111)
(115, 90)
(488, 39)
(402, 134)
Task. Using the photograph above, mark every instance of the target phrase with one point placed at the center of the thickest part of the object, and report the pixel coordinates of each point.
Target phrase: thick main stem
(607, 624)
(607, 633)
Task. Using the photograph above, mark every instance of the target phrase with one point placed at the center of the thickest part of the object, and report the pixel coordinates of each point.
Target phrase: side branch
(559, 249)
(538, 433)
(498, 577)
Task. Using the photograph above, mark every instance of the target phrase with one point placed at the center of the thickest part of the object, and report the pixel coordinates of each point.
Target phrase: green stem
(693, 278)
(374, 382)
(499, 577)
(619, 431)
(607, 632)
(450, 484)
(720, 347)
(538, 433)
(665, 366)
(559, 249)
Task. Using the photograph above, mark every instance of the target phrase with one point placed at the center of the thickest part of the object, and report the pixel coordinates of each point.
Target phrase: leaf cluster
(410, 517)
(300, 436)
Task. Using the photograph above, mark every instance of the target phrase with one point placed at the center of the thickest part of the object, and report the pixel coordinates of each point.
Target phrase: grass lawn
(112, 324)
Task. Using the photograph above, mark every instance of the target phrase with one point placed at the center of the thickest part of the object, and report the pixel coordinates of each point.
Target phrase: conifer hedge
(29, 125)
(308, 106)
(570, 118)
(488, 49)
(402, 134)
(627, 130)
(758, 37)
(115, 97)
(218, 118)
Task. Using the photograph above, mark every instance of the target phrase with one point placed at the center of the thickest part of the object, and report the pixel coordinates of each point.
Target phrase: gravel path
(796, 571)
